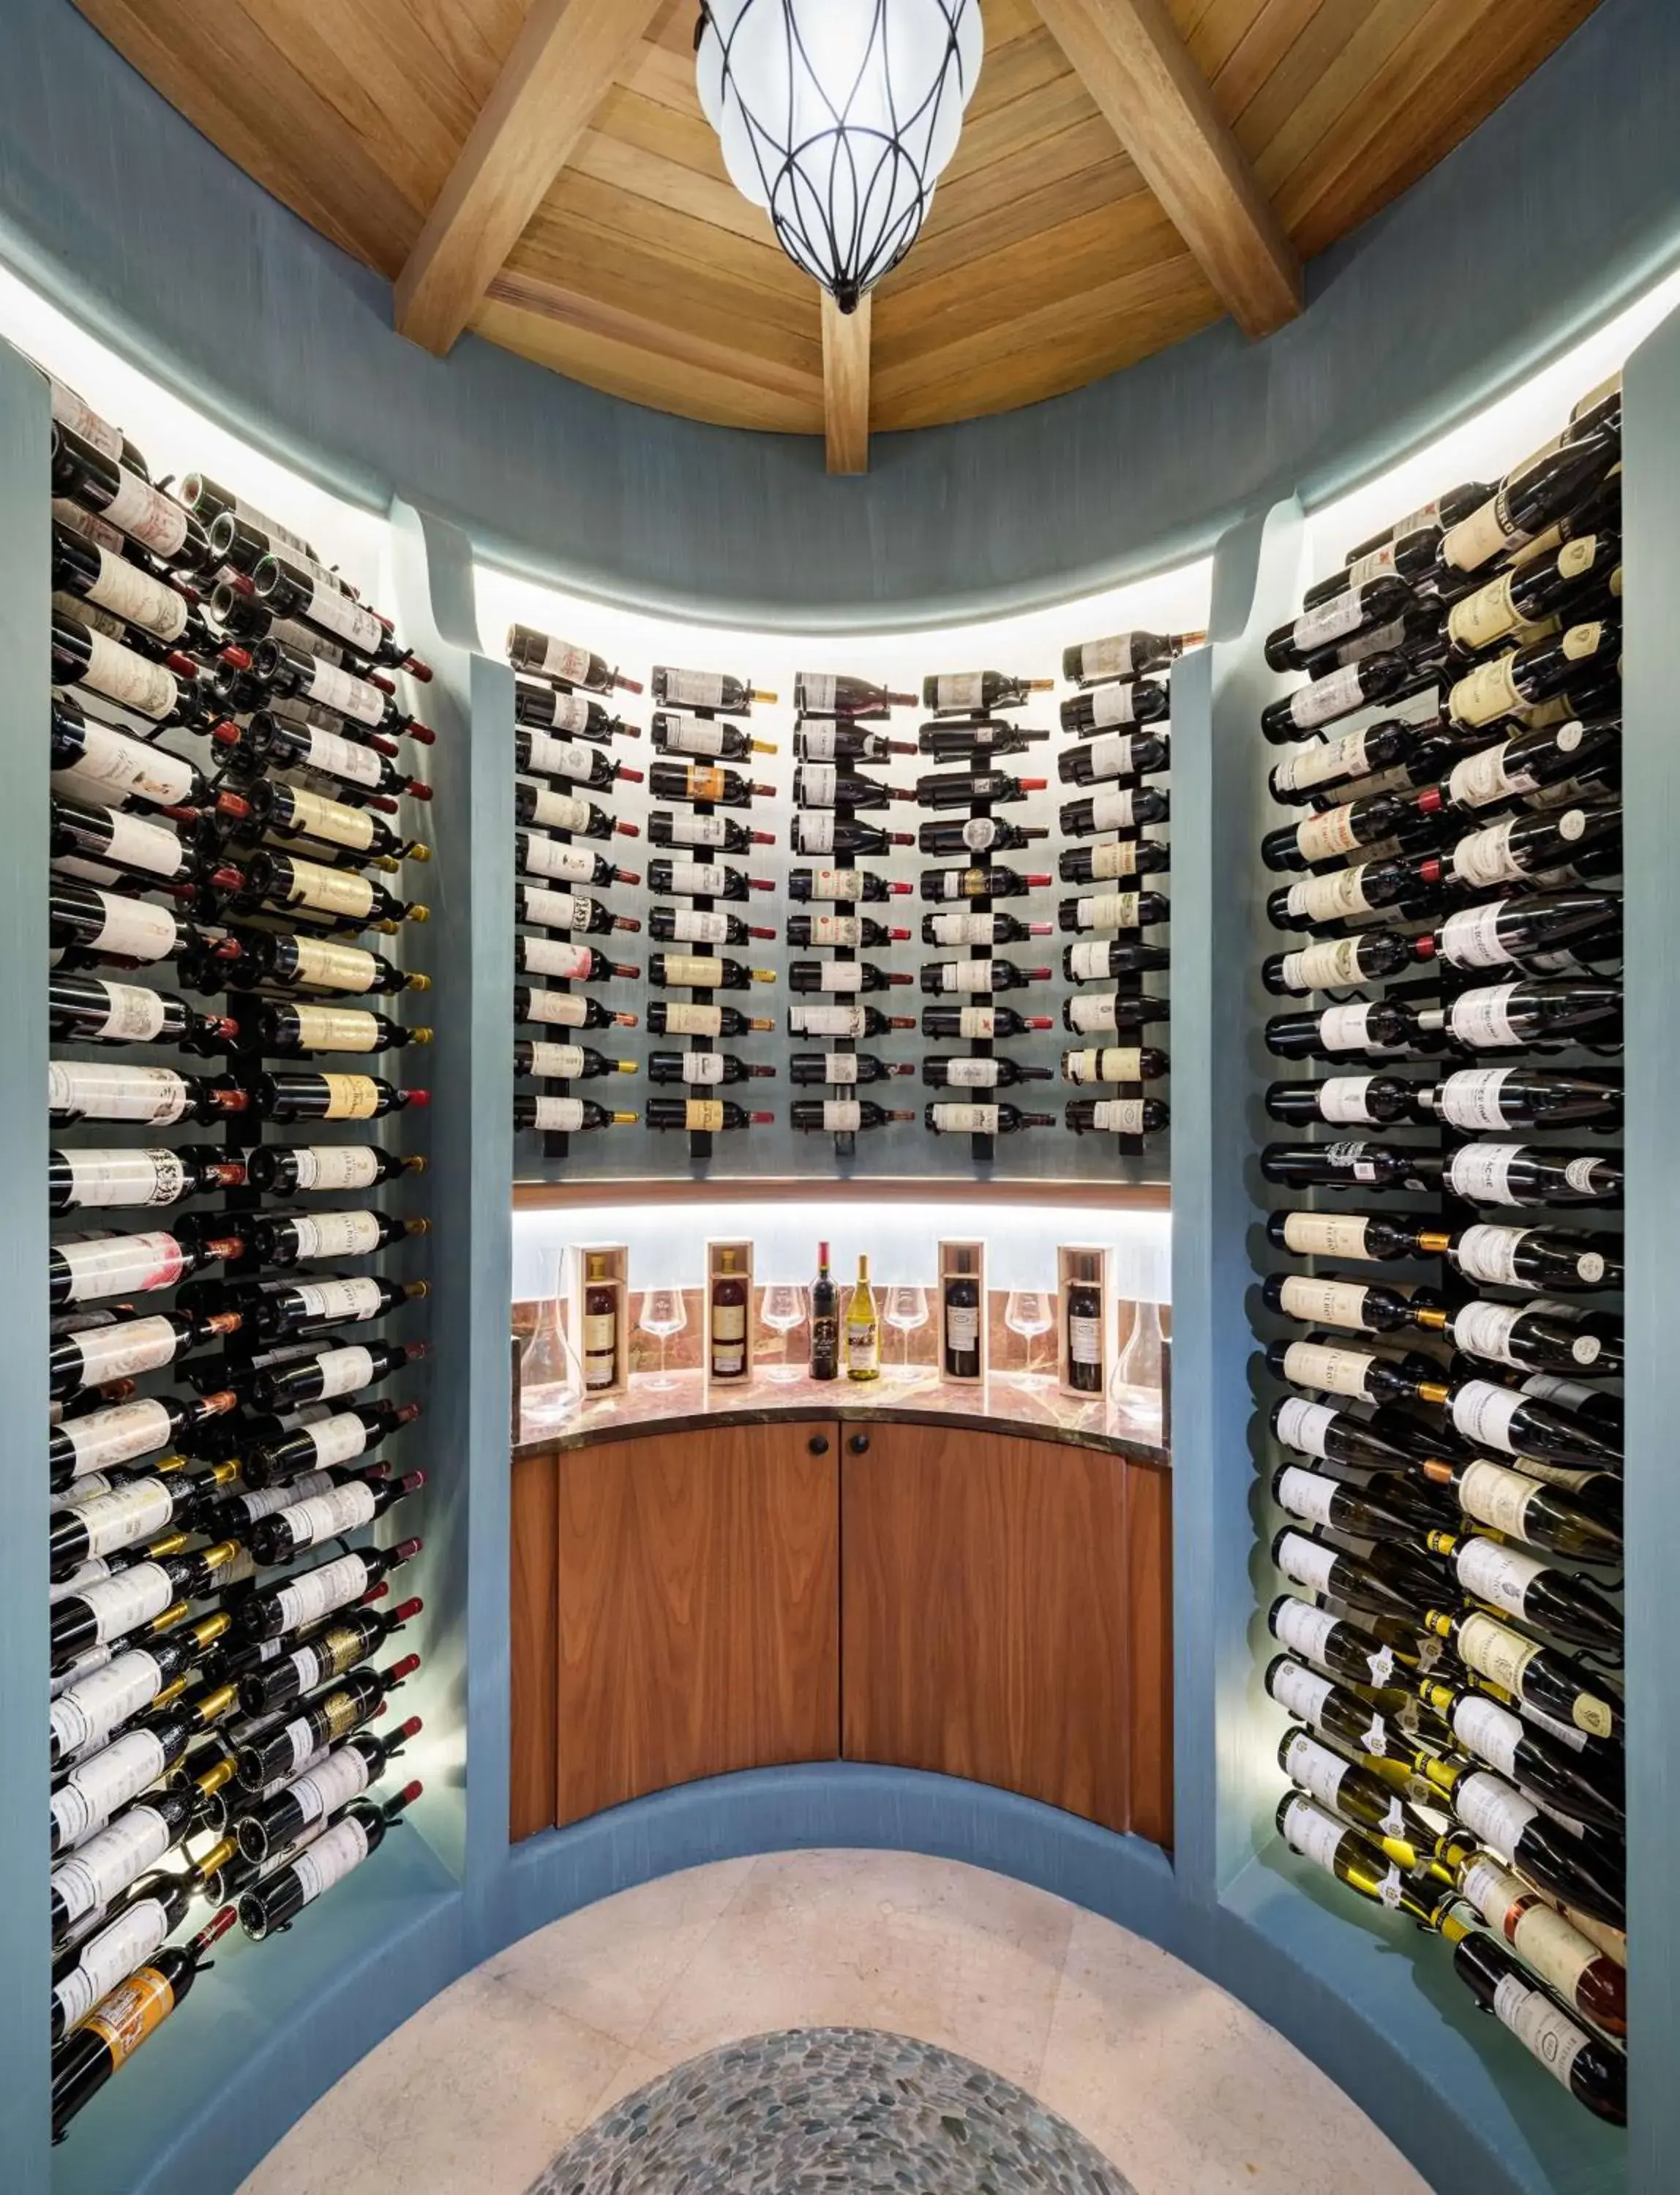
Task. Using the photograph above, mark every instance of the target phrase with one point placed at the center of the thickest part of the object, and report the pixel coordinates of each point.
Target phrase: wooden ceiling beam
(563, 64)
(1132, 60)
(845, 385)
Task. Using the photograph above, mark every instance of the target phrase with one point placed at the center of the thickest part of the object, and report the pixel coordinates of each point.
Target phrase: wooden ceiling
(540, 171)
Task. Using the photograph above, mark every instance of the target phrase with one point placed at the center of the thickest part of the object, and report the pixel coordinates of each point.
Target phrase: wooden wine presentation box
(964, 1262)
(610, 1262)
(732, 1259)
(1084, 1266)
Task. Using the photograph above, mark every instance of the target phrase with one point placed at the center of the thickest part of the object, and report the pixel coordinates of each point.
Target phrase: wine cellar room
(855, 1370)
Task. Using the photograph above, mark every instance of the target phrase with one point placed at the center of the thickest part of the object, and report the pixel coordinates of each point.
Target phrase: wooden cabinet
(679, 1603)
(1004, 1618)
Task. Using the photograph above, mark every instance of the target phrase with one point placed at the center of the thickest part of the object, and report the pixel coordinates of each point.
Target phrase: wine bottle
(1134, 701)
(1100, 960)
(1584, 1976)
(106, 1179)
(1122, 1014)
(846, 742)
(1536, 1675)
(71, 409)
(92, 1708)
(1530, 498)
(1593, 2071)
(121, 2021)
(666, 1017)
(274, 1308)
(1352, 1166)
(161, 525)
(564, 811)
(1002, 1119)
(542, 709)
(1332, 1708)
(943, 789)
(1342, 1235)
(100, 1786)
(696, 971)
(267, 740)
(90, 1009)
(838, 885)
(529, 649)
(350, 899)
(291, 960)
(695, 735)
(127, 1347)
(337, 1439)
(1533, 844)
(847, 931)
(1525, 1173)
(1537, 1593)
(106, 1608)
(1114, 755)
(977, 693)
(329, 1651)
(704, 782)
(822, 785)
(1520, 1507)
(356, 1501)
(959, 1326)
(1397, 752)
(836, 1069)
(1102, 911)
(841, 1116)
(1114, 1063)
(283, 1239)
(855, 1020)
(321, 1718)
(943, 1072)
(1365, 1025)
(566, 1062)
(86, 923)
(573, 762)
(566, 1009)
(94, 1877)
(724, 833)
(1355, 1795)
(970, 1024)
(674, 688)
(1359, 608)
(1386, 675)
(1325, 1368)
(1490, 1415)
(1408, 883)
(300, 1028)
(1336, 964)
(1587, 1867)
(1117, 1116)
(270, 1610)
(1333, 832)
(281, 667)
(301, 1094)
(963, 742)
(269, 1828)
(824, 1361)
(328, 1374)
(1126, 655)
(569, 962)
(1329, 1299)
(833, 694)
(972, 975)
(1498, 932)
(1523, 1754)
(826, 832)
(1082, 1337)
(292, 588)
(1379, 1513)
(134, 845)
(960, 885)
(980, 834)
(102, 1265)
(93, 761)
(969, 926)
(1525, 675)
(290, 812)
(549, 857)
(1530, 597)
(1541, 1336)
(1339, 1646)
(1358, 1860)
(702, 1115)
(843, 978)
(99, 1440)
(712, 880)
(1113, 810)
(710, 1068)
(863, 1327)
(1528, 762)
(274, 1901)
(685, 926)
(1536, 1010)
(1120, 857)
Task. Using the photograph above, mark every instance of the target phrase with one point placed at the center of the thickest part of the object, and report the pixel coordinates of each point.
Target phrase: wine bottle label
(109, 1862)
(1582, 640)
(1470, 937)
(122, 1352)
(123, 766)
(834, 884)
(268, 1500)
(111, 1264)
(1304, 1426)
(812, 834)
(968, 975)
(329, 605)
(1348, 1029)
(1326, 1303)
(1321, 838)
(1330, 621)
(559, 1010)
(318, 1592)
(840, 1116)
(1557, 1953)
(1087, 962)
(1494, 1652)
(843, 929)
(1582, 1175)
(1303, 1628)
(1346, 1098)
(1112, 756)
(1331, 1371)
(1118, 1116)
(1306, 1494)
(337, 1028)
(694, 971)
(133, 1014)
(337, 1166)
(1111, 861)
(126, 1513)
(1485, 1330)
(341, 1776)
(558, 1062)
(1492, 1812)
(1485, 1727)
(331, 1857)
(547, 857)
(110, 1957)
(1484, 1016)
(1483, 858)
(338, 1439)
(334, 892)
(1323, 899)
(1314, 1233)
(558, 956)
(1313, 1834)
(570, 758)
(146, 515)
(134, 680)
(134, 843)
(977, 1023)
(964, 929)
(1469, 1099)
(823, 1021)
(337, 1234)
(819, 741)
(694, 1021)
(971, 1074)
(134, 929)
(319, 1299)
(1112, 810)
(839, 1068)
(1498, 1497)
(1114, 705)
(816, 783)
(126, 1178)
(965, 1120)
(1482, 1173)
(335, 967)
(1302, 1691)
(559, 811)
(341, 1371)
(1485, 1413)
(1326, 967)
(126, 1599)
(842, 975)
(1315, 1768)
(92, 1792)
(342, 758)
(1490, 1253)
(697, 927)
(331, 819)
(703, 1066)
(96, 1704)
(1546, 2032)
(349, 1097)
(335, 688)
(703, 1114)
(324, 1516)
(1084, 1340)
(1326, 762)
(1501, 1576)
(1317, 702)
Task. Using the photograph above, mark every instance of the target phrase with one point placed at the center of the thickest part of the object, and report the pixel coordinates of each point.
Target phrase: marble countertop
(1004, 1403)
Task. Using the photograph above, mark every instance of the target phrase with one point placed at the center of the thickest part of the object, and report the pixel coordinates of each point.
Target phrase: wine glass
(663, 1313)
(1030, 1312)
(906, 1310)
(1137, 1382)
(784, 1308)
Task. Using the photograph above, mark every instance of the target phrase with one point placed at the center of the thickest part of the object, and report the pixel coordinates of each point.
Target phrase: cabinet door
(985, 1613)
(698, 1603)
(531, 1621)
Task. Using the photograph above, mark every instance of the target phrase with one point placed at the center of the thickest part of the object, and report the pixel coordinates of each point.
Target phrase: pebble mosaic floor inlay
(815, 2111)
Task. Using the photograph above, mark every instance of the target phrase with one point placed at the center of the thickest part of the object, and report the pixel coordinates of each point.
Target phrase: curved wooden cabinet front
(744, 1595)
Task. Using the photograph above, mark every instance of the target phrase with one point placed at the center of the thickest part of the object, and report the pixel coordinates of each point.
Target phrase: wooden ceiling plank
(562, 62)
(663, 229)
(1217, 33)
(662, 76)
(1028, 64)
(641, 174)
(1159, 106)
(1045, 112)
(626, 369)
(1025, 211)
(1088, 144)
(471, 37)
(1379, 29)
(1276, 30)
(1294, 76)
(845, 385)
(688, 139)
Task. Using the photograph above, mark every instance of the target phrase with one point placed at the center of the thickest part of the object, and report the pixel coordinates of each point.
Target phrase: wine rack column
(562, 744)
(833, 800)
(966, 731)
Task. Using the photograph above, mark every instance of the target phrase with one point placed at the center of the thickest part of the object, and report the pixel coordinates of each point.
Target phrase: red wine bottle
(983, 1120)
(832, 1070)
(104, 1265)
(845, 742)
(541, 654)
(1535, 496)
(329, 1652)
(702, 1115)
(1338, 963)
(824, 785)
(1098, 960)
(959, 884)
(275, 1308)
(1119, 1013)
(1525, 675)
(267, 741)
(573, 761)
(1535, 1011)
(852, 1019)
(716, 880)
(87, 1179)
(269, 1611)
(851, 931)
(1114, 810)
(1318, 770)
(538, 856)
(572, 910)
(678, 734)
(567, 1010)
(666, 1017)
(163, 528)
(830, 833)
(1116, 858)
(293, 960)
(120, 2023)
(832, 694)
(709, 1067)
(540, 707)
(704, 782)
(348, 900)
(941, 1071)
(684, 925)
(1528, 762)
(968, 926)
(95, 761)
(1114, 755)
(303, 1029)
(134, 845)
(723, 833)
(290, 812)
(90, 1009)
(273, 1824)
(94, 1356)
(1140, 701)
(1408, 883)
(971, 1023)
(980, 834)
(301, 1094)
(328, 1374)
(948, 742)
(569, 962)
(1344, 616)
(321, 1718)
(1384, 676)
(842, 978)
(356, 1501)
(1115, 1117)
(565, 811)
(697, 971)
(1365, 1025)
(1592, 2069)
(977, 693)
(1527, 1257)
(1334, 832)
(281, 1239)
(566, 1116)
(939, 789)
(566, 1062)
(328, 1441)
(674, 688)
(841, 1116)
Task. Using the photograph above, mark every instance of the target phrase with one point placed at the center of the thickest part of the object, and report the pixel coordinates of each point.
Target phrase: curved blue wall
(1562, 203)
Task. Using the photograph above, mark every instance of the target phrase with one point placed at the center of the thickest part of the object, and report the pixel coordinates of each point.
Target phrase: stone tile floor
(1180, 2088)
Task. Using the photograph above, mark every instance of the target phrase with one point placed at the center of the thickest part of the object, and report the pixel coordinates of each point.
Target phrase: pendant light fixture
(837, 117)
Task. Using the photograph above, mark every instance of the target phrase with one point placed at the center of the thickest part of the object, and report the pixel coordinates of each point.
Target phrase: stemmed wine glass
(784, 1308)
(663, 1313)
(1030, 1312)
(906, 1310)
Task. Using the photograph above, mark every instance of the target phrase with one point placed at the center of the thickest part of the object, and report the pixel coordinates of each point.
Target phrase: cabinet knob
(859, 1443)
(818, 1444)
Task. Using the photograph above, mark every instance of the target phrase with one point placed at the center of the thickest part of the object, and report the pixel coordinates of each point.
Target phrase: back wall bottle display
(1441, 1317)
(241, 1226)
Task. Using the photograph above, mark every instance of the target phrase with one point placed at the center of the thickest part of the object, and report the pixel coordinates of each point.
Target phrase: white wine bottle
(863, 1327)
